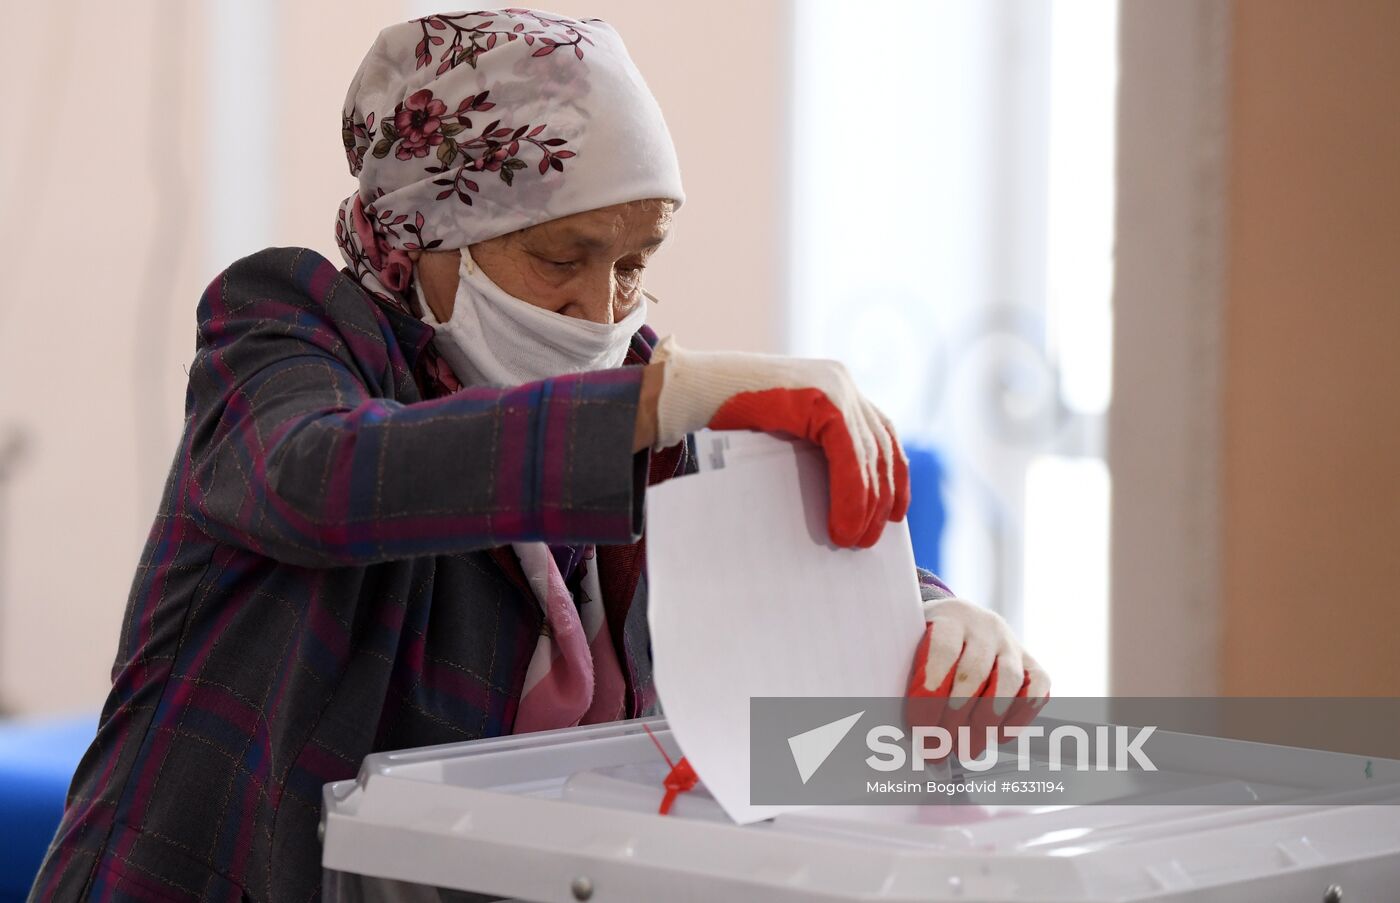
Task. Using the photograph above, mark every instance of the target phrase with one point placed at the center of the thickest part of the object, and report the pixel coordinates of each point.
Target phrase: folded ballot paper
(748, 597)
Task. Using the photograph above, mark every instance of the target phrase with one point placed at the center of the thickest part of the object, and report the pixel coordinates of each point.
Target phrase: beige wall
(1311, 506)
(102, 239)
(106, 238)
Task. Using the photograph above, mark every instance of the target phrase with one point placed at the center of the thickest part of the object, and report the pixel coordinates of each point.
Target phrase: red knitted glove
(969, 669)
(816, 400)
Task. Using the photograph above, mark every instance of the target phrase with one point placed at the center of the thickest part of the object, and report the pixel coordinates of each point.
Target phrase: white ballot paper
(748, 597)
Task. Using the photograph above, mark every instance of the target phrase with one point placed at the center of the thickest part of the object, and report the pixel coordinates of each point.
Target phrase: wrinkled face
(588, 265)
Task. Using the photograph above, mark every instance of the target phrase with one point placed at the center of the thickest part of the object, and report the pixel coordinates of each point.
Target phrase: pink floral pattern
(372, 240)
(354, 134)
(495, 148)
(471, 40)
(420, 123)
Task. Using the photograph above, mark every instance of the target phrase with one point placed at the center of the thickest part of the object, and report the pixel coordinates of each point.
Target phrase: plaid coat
(326, 578)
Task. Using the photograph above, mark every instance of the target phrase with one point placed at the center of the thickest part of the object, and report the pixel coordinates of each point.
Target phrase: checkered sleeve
(931, 587)
(297, 453)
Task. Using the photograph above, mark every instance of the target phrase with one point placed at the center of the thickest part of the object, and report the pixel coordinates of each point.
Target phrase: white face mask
(494, 338)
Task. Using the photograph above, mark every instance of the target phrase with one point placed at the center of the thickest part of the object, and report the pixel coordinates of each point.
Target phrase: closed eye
(557, 264)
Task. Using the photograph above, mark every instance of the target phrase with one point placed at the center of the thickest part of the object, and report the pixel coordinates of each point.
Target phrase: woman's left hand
(971, 670)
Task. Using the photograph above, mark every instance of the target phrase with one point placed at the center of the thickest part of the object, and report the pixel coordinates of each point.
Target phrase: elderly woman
(407, 505)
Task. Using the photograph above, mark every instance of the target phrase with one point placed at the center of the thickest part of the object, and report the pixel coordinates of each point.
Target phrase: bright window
(952, 243)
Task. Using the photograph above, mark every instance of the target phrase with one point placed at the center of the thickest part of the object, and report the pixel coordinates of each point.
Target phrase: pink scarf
(574, 676)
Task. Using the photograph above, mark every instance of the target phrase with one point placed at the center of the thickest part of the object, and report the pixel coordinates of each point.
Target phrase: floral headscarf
(466, 126)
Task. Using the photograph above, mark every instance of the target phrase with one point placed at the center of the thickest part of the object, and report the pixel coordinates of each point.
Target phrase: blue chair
(37, 759)
(927, 513)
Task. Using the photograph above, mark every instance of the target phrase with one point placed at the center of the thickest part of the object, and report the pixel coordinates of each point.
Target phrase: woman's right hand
(809, 399)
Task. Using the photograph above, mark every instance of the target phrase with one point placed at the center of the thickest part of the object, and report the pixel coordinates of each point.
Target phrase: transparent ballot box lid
(572, 815)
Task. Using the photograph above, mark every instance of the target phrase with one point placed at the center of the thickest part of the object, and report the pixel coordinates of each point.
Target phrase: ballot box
(572, 815)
